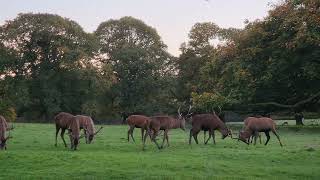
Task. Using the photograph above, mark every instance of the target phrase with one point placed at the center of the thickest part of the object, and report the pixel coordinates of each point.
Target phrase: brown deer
(164, 123)
(74, 132)
(3, 129)
(62, 121)
(137, 121)
(256, 125)
(207, 122)
(86, 123)
(246, 122)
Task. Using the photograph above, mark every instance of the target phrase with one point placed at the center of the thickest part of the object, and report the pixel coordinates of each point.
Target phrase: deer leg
(250, 140)
(130, 133)
(255, 139)
(142, 133)
(155, 132)
(268, 137)
(164, 137)
(167, 137)
(195, 135)
(190, 136)
(259, 138)
(275, 133)
(85, 135)
(213, 137)
(204, 137)
(210, 134)
(57, 132)
(71, 142)
(62, 137)
(144, 138)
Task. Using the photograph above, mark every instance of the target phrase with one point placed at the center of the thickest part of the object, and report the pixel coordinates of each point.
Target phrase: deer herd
(151, 126)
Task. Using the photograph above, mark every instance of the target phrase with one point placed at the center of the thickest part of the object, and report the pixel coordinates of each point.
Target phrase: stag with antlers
(165, 123)
(86, 123)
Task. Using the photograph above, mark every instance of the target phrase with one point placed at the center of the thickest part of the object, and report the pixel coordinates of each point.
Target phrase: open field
(32, 155)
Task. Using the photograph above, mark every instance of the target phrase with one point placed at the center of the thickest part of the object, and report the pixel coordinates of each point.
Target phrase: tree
(51, 63)
(140, 61)
(272, 63)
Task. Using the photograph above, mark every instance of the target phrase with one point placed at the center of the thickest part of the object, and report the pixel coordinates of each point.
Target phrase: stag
(207, 122)
(164, 123)
(3, 129)
(256, 125)
(246, 122)
(86, 123)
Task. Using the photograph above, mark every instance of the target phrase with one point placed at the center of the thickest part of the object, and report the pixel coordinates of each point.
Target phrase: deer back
(260, 124)
(86, 123)
(138, 121)
(165, 122)
(63, 119)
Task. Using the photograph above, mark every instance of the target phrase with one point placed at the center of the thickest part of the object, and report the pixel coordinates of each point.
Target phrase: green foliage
(208, 102)
(140, 61)
(271, 60)
(50, 68)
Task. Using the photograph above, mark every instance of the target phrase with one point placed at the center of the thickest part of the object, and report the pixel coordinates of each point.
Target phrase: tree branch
(293, 106)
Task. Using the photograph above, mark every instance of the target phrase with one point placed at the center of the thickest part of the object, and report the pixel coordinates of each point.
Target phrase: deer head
(3, 144)
(243, 136)
(89, 136)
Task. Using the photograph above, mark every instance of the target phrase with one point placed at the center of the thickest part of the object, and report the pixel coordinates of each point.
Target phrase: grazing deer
(86, 123)
(164, 123)
(74, 132)
(246, 122)
(257, 125)
(62, 121)
(3, 129)
(207, 122)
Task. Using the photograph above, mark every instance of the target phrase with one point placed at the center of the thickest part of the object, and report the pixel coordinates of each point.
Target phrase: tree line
(49, 64)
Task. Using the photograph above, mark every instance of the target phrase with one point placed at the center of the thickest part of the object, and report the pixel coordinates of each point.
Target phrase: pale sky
(172, 19)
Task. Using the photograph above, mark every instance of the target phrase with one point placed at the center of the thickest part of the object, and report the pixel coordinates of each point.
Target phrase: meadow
(31, 154)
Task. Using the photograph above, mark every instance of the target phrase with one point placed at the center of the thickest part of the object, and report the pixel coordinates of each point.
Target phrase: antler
(98, 131)
(179, 111)
(190, 107)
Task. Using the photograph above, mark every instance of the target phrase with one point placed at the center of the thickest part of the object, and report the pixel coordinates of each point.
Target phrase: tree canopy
(49, 64)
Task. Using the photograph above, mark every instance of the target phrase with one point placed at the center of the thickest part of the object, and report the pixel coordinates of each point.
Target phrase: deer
(246, 122)
(137, 121)
(86, 123)
(3, 129)
(256, 125)
(164, 123)
(207, 122)
(62, 121)
(74, 132)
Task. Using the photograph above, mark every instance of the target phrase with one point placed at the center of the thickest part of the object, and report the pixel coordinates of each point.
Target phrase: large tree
(274, 62)
(141, 63)
(51, 70)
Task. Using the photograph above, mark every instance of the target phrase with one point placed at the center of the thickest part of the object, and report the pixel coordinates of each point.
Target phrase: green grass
(32, 155)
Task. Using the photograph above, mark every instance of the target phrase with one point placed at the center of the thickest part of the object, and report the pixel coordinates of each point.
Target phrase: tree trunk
(299, 118)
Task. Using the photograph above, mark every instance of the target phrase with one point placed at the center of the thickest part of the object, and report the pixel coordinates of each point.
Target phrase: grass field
(32, 155)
